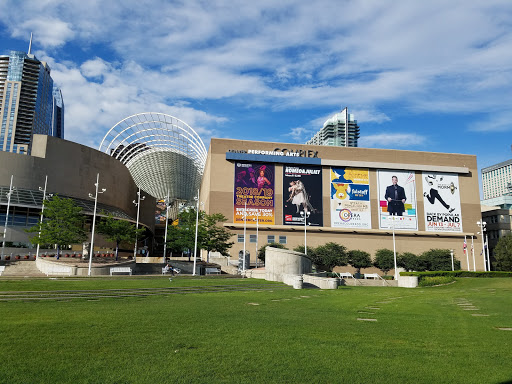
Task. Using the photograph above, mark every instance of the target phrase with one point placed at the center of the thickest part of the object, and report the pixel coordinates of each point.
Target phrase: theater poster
(441, 200)
(350, 198)
(302, 194)
(254, 185)
(397, 206)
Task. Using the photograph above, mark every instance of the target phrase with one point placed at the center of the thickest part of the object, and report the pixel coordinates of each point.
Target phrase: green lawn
(269, 334)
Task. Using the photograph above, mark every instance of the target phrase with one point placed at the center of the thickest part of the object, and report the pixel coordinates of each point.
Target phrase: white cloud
(434, 56)
(392, 140)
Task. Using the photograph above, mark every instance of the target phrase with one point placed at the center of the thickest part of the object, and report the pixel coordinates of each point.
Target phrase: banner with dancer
(254, 186)
(441, 200)
(350, 198)
(302, 195)
(397, 200)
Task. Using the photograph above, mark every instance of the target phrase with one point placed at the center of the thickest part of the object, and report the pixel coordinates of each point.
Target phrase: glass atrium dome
(164, 155)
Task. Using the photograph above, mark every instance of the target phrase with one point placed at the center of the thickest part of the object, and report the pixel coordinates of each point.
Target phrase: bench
(120, 270)
(2, 268)
(343, 275)
(212, 271)
(372, 276)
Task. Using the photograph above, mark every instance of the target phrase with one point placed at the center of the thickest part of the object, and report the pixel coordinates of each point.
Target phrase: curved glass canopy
(164, 155)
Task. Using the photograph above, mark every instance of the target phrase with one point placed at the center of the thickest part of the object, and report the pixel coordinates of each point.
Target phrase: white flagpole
(466, 250)
(473, 252)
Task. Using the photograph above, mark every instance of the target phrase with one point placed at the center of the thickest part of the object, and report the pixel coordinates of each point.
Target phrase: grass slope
(281, 336)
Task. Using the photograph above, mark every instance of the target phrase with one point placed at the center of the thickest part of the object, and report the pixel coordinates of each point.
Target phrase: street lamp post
(137, 204)
(197, 227)
(482, 225)
(487, 251)
(8, 194)
(245, 230)
(394, 247)
(95, 197)
(257, 234)
(167, 203)
(42, 209)
(305, 214)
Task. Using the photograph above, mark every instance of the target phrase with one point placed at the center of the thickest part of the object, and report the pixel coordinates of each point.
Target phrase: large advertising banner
(350, 198)
(302, 195)
(397, 200)
(441, 200)
(254, 186)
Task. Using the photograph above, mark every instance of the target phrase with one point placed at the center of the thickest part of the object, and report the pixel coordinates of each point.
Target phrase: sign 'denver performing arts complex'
(351, 196)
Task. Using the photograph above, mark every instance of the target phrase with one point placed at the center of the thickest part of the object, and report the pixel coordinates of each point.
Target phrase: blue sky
(428, 76)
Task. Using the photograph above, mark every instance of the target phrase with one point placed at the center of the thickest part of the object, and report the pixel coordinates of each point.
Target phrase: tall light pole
(42, 209)
(197, 227)
(95, 197)
(482, 225)
(487, 249)
(394, 247)
(137, 204)
(245, 231)
(257, 235)
(305, 214)
(167, 203)
(8, 194)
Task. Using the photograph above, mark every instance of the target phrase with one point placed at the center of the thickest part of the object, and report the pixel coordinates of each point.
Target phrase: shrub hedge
(454, 274)
(428, 281)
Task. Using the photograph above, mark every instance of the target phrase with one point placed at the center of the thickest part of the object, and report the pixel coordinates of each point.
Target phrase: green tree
(63, 224)
(181, 237)
(210, 236)
(215, 237)
(327, 256)
(118, 231)
(503, 254)
(331, 255)
(359, 259)
(261, 251)
(439, 260)
(384, 260)
(408, 261)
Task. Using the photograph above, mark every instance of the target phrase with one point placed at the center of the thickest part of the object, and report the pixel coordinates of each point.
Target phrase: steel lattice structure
(163, 154)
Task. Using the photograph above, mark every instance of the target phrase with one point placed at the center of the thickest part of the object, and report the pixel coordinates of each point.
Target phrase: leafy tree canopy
(384, 260)
(118, 231)
(503, 253)
(63, 224)
(359, 259)
(438, 260)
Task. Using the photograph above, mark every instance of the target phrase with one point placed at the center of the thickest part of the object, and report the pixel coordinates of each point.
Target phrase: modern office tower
(341, 130)
(58, 113)
(497, 180)
(29, 102)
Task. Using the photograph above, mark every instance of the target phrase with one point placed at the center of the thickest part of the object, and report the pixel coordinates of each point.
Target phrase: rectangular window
(240, 238)
(282, 239)
(271, 239)
(252, 238)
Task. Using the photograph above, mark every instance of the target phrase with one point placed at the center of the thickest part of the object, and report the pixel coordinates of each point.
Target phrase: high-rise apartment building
(29, 102)
(497, 180)
(341, 130)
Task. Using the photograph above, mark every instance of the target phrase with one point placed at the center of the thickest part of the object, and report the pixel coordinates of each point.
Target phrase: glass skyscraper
(29, 102)
(341, 130)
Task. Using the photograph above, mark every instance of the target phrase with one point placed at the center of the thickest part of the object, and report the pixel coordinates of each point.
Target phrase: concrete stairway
(21, 268)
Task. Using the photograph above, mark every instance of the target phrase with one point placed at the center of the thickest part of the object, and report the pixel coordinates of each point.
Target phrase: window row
(270, 239)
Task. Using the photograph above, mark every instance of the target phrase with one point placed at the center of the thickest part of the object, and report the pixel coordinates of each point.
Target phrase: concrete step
(21, 268)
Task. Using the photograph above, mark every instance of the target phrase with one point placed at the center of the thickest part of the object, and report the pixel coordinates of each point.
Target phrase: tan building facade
(345, 195)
